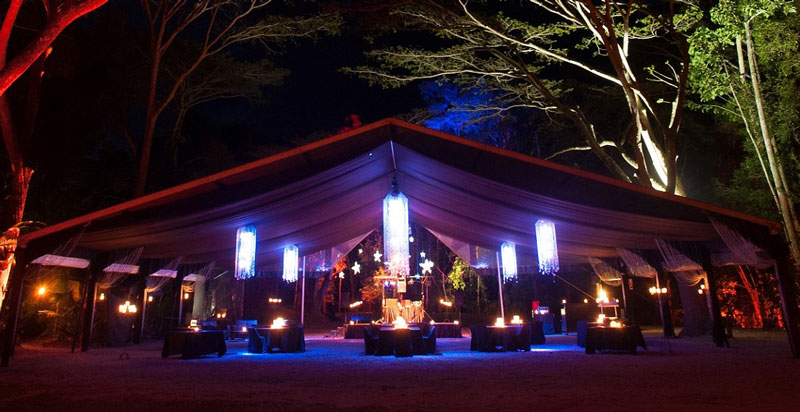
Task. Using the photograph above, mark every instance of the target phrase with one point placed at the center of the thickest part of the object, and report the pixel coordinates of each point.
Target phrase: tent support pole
(180, 304)
(500, 286)
(624, 295)
(784, 274)
(303, 294)
(144, 314)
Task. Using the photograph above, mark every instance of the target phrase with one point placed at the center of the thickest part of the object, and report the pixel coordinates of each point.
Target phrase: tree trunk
(769, 146)
(758, 319)
(696, 318)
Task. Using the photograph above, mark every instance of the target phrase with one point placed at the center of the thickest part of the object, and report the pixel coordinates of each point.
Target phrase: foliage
(549, 64)
(471, 112)
(735, 302)
(458, 273)
(746, 69)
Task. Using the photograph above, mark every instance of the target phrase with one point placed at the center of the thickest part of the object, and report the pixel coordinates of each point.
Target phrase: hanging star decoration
(356, 268)
(377, 256)
(426, 266)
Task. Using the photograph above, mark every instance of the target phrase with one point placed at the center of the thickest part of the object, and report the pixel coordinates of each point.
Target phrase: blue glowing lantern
(245, 252)
(508, 254)
(290, 266)
(395, 233)
(547, 247)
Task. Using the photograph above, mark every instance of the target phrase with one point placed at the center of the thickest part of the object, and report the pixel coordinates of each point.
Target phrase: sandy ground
(756, 374)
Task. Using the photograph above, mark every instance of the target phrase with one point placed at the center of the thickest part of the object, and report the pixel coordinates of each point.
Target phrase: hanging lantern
(245, 252)
(395, 233)
(290, 266)
(546, 247)
(508, 254)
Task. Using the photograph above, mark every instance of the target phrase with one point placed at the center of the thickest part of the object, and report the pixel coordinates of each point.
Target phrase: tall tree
(221, 77)
(220, 24)
(17, 128)
(17, 122)
(731, 80)
(619, 47)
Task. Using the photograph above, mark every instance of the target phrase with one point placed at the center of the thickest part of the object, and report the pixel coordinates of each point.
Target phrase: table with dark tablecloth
(288, 339)
(625, 338)
(581, 327)
(191, 344)
(356, 330)
(447, 330)
(506, 338)
(399, 342)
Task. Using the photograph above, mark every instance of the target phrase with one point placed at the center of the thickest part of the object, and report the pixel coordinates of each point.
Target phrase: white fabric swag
(111, 279)
(605, 272)
(684, 269)
(742, 250)
(637, 264)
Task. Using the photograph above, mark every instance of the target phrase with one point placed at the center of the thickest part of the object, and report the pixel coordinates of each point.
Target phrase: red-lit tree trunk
(758, 319)
(17, 130)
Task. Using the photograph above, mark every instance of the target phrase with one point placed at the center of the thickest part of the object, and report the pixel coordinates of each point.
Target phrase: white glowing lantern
(395, 233)
(546, 247)
(508, 254)
(290, 266)
(400, 323)
(499, 322)
(245, 252)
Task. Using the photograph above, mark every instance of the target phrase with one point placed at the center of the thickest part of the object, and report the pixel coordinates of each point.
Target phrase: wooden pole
(303, 294)
(144, 314)
(180, 304)
(624, 295)
(500, 286)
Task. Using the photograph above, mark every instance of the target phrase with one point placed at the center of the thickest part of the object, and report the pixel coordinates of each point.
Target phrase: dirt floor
(755, 374)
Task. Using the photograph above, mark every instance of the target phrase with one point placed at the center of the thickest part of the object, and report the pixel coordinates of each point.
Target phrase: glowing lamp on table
(516, 320)
(500, 323)
(279, 323)
(400, 323)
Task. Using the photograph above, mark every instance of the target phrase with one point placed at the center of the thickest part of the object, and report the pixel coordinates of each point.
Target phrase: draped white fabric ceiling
(452, 186)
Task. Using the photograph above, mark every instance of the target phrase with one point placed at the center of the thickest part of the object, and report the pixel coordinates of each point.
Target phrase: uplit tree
(17, 118)
(635, 50)
(219, 24)
(17, 124)
(745, 67)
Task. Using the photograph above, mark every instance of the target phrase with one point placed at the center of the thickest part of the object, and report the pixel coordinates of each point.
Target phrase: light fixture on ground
(546, 246)
(290, 263)
(508, 254)
(245, 252)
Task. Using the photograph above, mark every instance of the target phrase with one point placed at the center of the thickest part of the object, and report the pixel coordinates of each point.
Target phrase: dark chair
(255, 344)
(370, 340)
(430, 340)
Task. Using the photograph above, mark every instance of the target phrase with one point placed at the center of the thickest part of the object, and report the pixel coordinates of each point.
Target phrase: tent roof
(329, 193)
